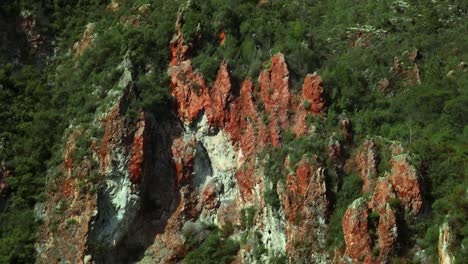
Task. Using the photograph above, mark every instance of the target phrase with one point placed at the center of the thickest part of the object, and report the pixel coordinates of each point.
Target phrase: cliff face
(146, 182)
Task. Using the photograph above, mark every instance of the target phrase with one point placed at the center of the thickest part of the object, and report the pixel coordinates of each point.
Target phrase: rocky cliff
(148, 186)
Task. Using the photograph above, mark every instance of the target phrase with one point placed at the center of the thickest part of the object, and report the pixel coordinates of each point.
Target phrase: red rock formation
(274, 85)
(387, 231)
(136, 160)
(356, 233)
(245, 124)
(113, 125)
(68, 151)
(245, 180)
(222, 38)
(177, 46)
(85, 42)
(183, 155)
(217, 105)
(405, 181)
(312, 92)
(209, 196)
(311, 102)
(383, 193)
(366, 162)
(190, 91)
(305, 206)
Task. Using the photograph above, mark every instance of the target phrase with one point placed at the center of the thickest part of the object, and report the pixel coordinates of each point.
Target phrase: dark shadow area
(159, 196)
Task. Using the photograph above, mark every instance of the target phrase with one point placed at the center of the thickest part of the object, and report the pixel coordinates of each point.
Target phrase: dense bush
(214, 249)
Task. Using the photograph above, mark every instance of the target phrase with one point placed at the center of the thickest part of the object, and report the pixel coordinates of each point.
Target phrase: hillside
(155, 131)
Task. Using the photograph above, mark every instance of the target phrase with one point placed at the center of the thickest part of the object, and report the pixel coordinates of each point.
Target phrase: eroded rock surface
(205, 165)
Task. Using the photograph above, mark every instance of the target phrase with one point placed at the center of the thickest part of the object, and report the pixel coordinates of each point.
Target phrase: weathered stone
(445, 241)
(405, 181)
(356, 233)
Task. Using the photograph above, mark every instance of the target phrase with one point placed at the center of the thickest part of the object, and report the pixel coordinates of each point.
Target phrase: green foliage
(214, 249)
(350, 191)
(351, 45)
(295, 148)
(248, 216)
(71, 221)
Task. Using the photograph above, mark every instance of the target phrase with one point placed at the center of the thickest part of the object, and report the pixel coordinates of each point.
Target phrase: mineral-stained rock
(445, 240)
(136, 160)
(305, 207)
(366, 162)
(204, 165)
(217, 105)
(85, 42)
(184, 156)
(312, 92)
(245, 123)
(405, 181)
(387, 231)
(311, 103)
(356, 233)
(274, 85)
(383, 193)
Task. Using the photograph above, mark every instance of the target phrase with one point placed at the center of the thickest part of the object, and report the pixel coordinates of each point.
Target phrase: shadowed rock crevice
(157, 195)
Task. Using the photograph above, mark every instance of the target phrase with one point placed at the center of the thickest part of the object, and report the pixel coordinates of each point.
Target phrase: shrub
(214, 249)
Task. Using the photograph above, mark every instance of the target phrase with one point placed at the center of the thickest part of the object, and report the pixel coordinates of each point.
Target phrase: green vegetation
(248, 216)
(38, 101)
(352, 45)
(214, 249)
(350, 191)
(295, 148)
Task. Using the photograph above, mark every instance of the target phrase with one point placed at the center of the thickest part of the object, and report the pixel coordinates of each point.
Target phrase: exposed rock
(203, 166)
(183, 151)
(463, 66)
(245, 124)
(305, 207)
(312, 92)
(357, 238)
(405, 181)
(85, 42)
(445, 240)
(217, 105)
(366, 162)
(114, 5)
(190, 91)
(383, 85)
(274, 86)
(383, 193)
(409, 74)
(311, 103)
(28, 25)
(177, 46)
(334, 149)
(347, 128)
(387, 231)
(222, 38)
(450, 74)
(136, 160)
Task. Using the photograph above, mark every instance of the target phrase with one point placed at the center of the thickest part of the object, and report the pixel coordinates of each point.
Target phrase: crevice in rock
(202, 166)
(158, 194)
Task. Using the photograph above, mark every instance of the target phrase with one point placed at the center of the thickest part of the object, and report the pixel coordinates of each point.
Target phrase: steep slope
(160, 185)
(274, 132)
